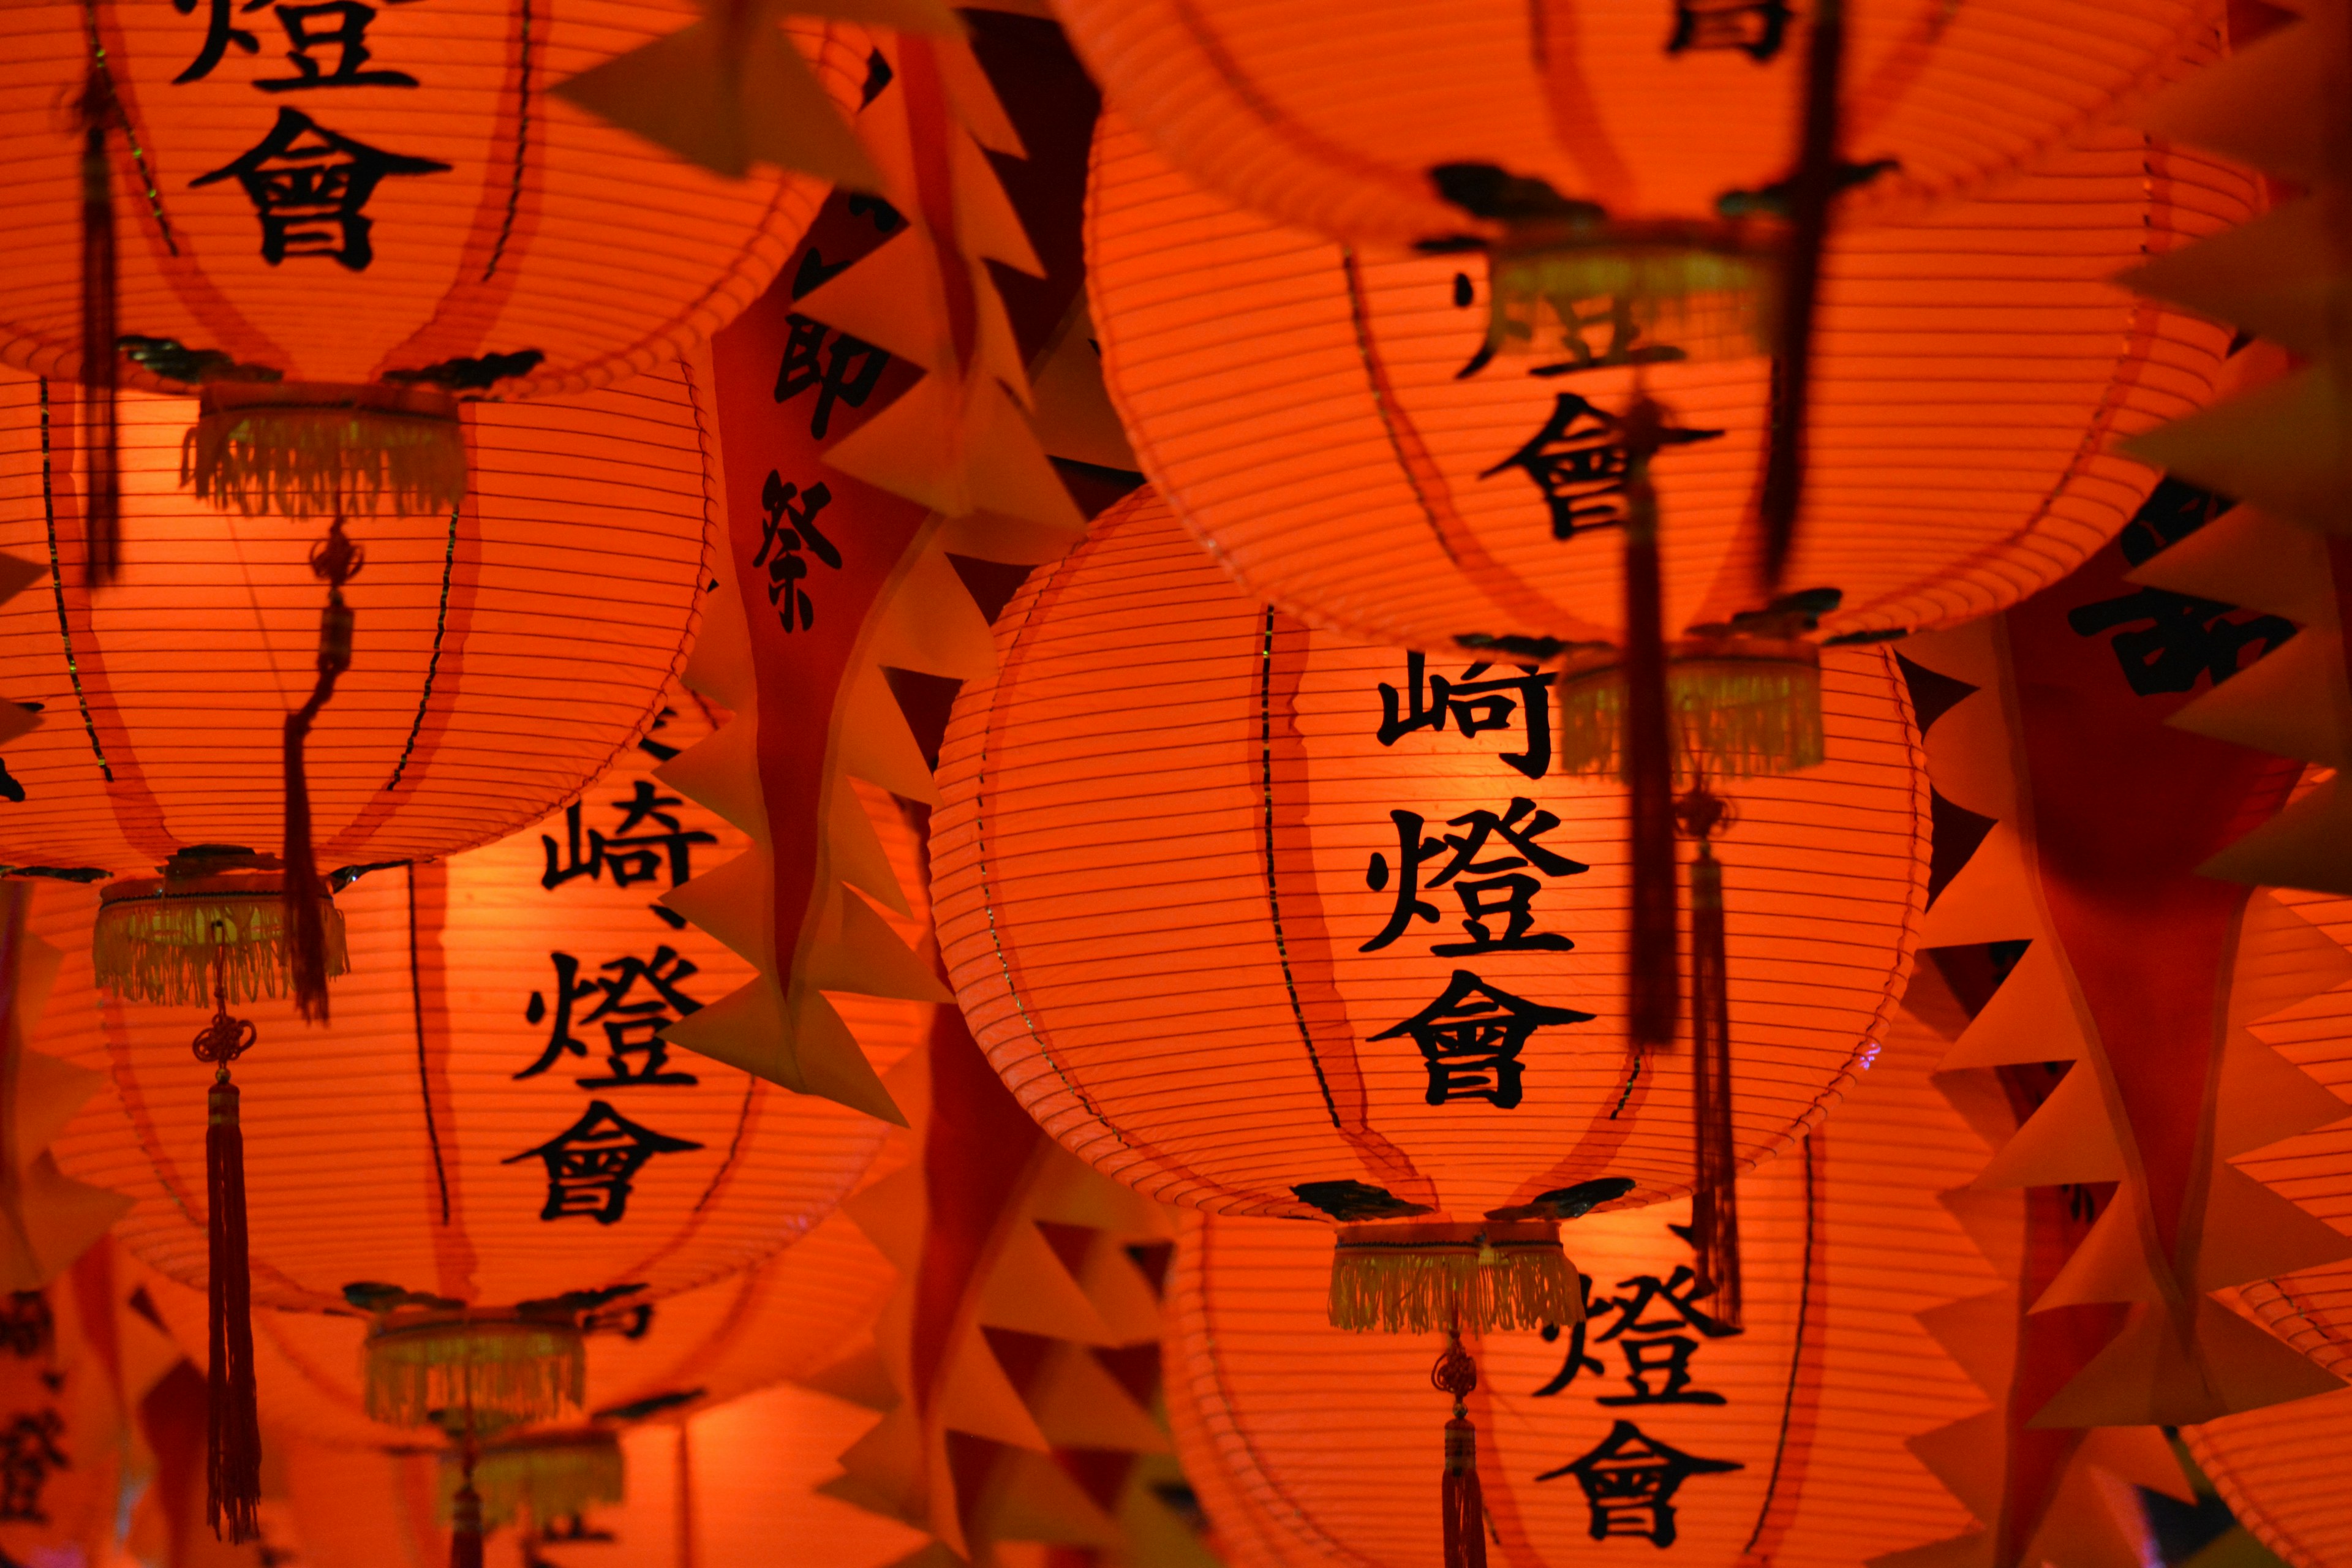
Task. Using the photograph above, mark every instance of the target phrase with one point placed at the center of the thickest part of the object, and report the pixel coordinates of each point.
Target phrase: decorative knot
(335, 559)
(224, 1039)
(1455, 1373)
(1702, 813)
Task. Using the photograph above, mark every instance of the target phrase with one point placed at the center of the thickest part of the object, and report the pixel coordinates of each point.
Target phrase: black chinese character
(340, 25)
(1754, 26)
(631, 1028)
(786, 570)
(1578, 461)
(310, 193)
(220, 32)
(660, 751)
(28, 1452)
(1497, 885)
(1578, 1361)
(849, 370)
(631, 855)
(1630, 1480)
(591, 1163)
(1615, 312)
(1471, 1038)
(1476, 707)
(2173, 639)
(11, 789)
(27, 1327)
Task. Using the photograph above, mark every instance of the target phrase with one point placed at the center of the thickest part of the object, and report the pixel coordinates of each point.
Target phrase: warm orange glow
(1168, 844)
(505, 654)
(403, 1144)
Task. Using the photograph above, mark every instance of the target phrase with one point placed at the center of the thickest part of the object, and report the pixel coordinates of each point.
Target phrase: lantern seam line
(1796, 1355)
(1273, 892)
(523, 150)
(131, 138)
(57, 589)
(424, 1076)
(432, 664)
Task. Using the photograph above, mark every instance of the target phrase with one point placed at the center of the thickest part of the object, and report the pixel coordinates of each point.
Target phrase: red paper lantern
(1244, 919)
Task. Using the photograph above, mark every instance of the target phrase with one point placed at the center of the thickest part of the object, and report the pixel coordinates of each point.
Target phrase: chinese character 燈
(1488, 886)
(1754, 26)
(631, 1028)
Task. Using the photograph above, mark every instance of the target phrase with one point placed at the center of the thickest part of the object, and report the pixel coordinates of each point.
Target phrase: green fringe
(545, 1477)
(1736, 718)
(1401, 1289)
(318, 461)
(168, 949)
(495, 1372)
(1711, 304)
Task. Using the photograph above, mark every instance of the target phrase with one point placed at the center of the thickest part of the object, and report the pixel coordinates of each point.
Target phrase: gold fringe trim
(1739, 718)
(1584, 298)
(547, 1478)
(490, 1374)
(319, 461)
(1472, 1287)
(168, 949)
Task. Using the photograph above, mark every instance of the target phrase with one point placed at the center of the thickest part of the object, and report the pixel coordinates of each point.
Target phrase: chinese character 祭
(516, 1082)
(789, 528)
(1222, 887)
(1653, 1431)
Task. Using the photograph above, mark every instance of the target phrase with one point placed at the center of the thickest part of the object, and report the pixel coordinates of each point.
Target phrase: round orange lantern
(1371, 122)
(493, 1143)
(1652, 1424)
(339, 224)
(1264, 920)
(1325, 419)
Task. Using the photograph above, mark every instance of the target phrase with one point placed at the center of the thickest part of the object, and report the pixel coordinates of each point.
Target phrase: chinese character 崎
(631, 1028)
(786, 569)
(1471, 1038)
(1498, 884)
(1578, 461)
(310, 188)
(591, 1163)
(1630, 1480)
(631, 854)
(1475, 705)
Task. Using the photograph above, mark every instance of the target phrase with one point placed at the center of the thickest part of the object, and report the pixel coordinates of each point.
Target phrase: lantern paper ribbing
(1325, 420)
(1651, 1425)
(507, 650)
(1192, 892)
(470, 230)
(494, 1119)
(1341, 118)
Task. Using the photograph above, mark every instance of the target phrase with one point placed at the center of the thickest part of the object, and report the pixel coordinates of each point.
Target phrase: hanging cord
(1714, 1192)
(1810, 189)
(1465, 1510)
(466, 1510)
(335, 560)
(98, 113)
(1652, 985)
(234, 1458)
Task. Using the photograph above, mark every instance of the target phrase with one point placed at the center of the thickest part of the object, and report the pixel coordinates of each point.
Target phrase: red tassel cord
(1463, 1508)
(1652, 999)
(100, 115)
(336, 560)
(234, 1459)
(1816, 182)
(466, 1520)
(1715, 1196)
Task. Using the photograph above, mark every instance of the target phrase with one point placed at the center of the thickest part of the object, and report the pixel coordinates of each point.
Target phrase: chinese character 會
(311, 187)
(1471, 1038)
(1630, 1480)
(1580, 461)
(591, 1163)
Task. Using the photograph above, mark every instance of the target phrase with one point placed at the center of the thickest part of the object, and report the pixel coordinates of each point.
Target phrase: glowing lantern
(493, 1141)
(1244, 918)
(1651, 1425)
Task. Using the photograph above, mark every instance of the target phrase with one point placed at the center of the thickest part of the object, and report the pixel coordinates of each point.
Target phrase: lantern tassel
(234, 1462)
(465, 1521)
(1462, 1506)
(1714, 1198)
(1811, 191)
(100, 115)
(1652, 983)
(337, 560)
